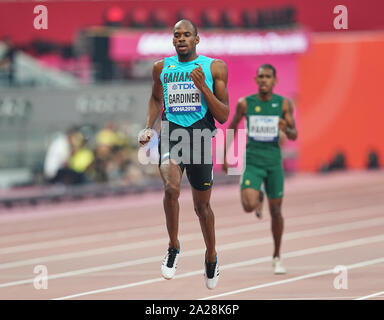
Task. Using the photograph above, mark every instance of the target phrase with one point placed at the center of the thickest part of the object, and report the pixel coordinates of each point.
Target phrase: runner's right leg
(250, 199)
(251, 181)
(259, 205)
(171, 174)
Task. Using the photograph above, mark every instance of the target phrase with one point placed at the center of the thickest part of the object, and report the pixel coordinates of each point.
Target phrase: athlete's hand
(282, 138)
(283, 125)
(198, 78)
(144, 136)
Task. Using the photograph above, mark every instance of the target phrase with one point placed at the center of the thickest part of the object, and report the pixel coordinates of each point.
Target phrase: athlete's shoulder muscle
(158, 67)
(220, 79)
(287, 105)
(219, 70)
(241, 107)
(157, 87)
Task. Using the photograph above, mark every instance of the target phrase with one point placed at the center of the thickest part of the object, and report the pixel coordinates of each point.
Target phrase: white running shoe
(169, 265)
(211, 274)
(278, 266)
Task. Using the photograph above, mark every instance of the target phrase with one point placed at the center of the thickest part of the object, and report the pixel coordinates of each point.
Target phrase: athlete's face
(265, 80)
(184, 39)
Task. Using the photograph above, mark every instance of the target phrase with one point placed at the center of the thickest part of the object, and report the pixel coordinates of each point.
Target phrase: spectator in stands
(59, 152)
(110, 152)
(68, 159)
(80, 164)
(7, 61)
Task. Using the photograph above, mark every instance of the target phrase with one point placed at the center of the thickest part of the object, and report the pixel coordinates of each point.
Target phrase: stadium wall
(339, 99)
(65, 18)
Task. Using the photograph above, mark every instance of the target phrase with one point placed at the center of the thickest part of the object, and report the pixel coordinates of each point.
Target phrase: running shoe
(211, 274)
(278, 266)
(169, 264)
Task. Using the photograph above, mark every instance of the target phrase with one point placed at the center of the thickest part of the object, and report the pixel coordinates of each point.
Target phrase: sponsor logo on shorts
(247, 182)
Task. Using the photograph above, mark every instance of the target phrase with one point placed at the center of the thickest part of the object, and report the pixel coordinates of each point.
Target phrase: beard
(184, 54)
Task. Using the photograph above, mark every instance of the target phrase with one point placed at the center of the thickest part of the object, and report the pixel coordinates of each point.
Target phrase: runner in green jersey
(267, 116)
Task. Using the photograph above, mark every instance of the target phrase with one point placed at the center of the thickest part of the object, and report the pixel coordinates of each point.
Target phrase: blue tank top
(184, 104)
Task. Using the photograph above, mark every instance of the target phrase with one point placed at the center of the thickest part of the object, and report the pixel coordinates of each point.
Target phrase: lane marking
(194, 236)
(332, 247)
(230, 246)
(306, 276)
(90, 207)
(315, 298)
(330, 216)
(371, 295)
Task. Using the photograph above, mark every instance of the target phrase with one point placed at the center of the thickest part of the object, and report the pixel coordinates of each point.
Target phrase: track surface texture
(111, 248)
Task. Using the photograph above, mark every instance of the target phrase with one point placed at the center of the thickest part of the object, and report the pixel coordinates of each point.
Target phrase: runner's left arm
(217, 100)
(287, 124)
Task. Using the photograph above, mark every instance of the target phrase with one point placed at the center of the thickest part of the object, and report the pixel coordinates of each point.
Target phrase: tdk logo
(183, 86)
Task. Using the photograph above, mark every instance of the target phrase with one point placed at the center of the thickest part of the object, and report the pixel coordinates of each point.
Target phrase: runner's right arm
(241, 110)
(155, 102)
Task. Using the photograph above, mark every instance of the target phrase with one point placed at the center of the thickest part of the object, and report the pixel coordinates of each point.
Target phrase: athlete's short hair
(192, 24)
(268, 66)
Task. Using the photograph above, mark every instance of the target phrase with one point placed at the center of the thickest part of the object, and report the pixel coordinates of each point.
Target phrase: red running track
(112, 248)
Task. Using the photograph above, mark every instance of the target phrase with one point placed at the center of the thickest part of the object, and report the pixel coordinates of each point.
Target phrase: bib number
(264, 128)
(183, 97)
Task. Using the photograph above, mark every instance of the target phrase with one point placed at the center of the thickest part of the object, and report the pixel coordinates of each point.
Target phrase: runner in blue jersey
(191, 90)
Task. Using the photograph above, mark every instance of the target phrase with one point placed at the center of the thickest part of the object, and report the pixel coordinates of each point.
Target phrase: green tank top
(262, 121)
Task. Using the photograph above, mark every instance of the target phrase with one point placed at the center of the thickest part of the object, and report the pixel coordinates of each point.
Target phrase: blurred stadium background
(78, 90)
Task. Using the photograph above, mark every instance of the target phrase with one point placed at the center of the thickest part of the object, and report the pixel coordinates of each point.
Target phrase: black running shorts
(191, 149)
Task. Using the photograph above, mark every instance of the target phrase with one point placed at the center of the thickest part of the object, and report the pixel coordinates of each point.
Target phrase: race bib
(183, 97)
(264, 128)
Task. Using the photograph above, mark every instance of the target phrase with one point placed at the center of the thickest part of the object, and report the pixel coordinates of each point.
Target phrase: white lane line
(315, 298)
(46, 233)
(230, 246)
(331, 216)
(371, 295)
(193, 236)
(72, 208)
(113, 235)
(336, 246)
(306, 276)
(91, 207)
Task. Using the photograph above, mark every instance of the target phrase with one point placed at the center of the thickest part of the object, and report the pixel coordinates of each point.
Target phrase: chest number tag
(263, 128)
(183, 97)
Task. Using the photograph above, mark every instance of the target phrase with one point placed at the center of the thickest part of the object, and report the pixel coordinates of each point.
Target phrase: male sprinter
(267, 114)
(192, 91)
